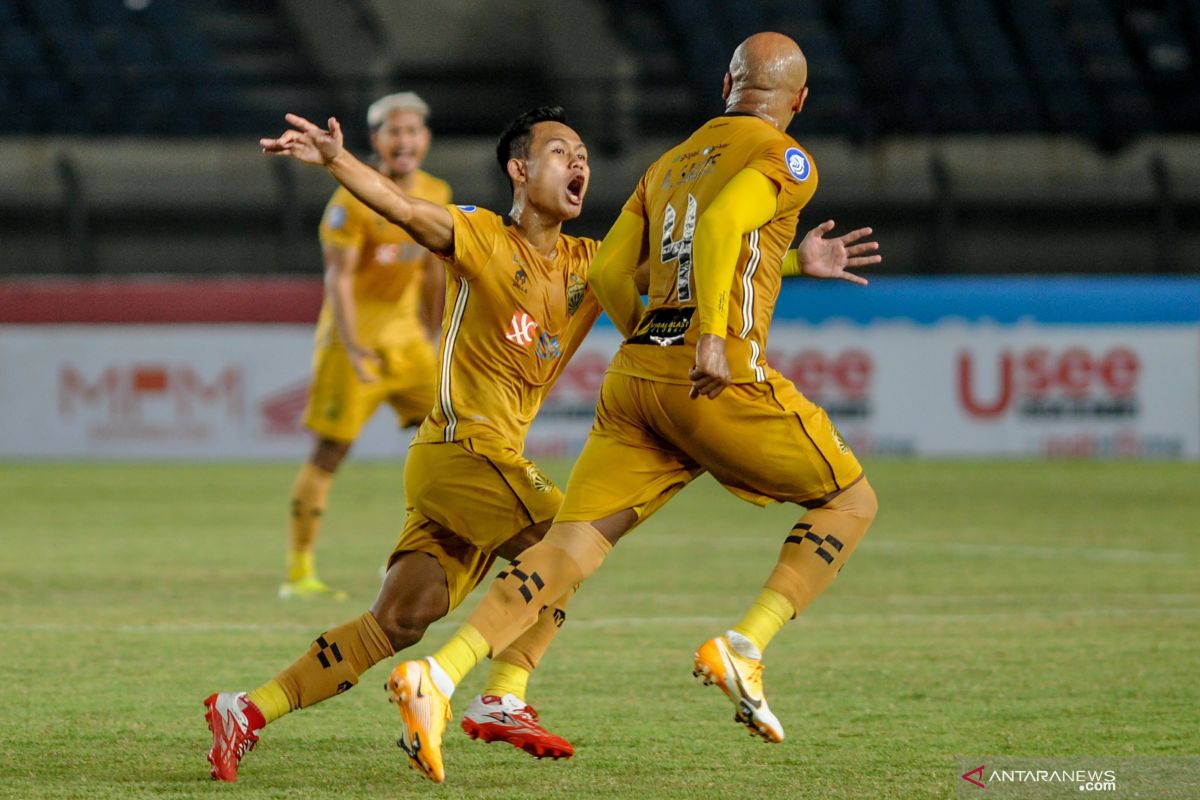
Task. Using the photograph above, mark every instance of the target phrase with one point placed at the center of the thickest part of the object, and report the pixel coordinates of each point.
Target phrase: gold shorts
(339, 404)
(762, 441)
(467, 498)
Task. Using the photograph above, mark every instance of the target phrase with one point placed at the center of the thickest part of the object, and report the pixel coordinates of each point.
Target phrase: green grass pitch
(1038, 609)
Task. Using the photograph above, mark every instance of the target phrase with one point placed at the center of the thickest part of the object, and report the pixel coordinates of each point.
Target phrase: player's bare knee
(404, 627)
(328, 454)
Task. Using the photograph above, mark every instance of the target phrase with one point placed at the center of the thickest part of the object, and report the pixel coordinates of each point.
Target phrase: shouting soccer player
(374, 338)
(517, 308)
(690, 391)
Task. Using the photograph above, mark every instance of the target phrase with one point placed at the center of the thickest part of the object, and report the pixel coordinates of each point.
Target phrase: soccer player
(375, 334)
(518, 307)
(690, 391)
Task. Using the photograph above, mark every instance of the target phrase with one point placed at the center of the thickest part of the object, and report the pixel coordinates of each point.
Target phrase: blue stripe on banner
(1049, 300)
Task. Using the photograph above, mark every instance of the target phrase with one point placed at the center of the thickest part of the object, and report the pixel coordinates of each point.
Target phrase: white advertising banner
(948, 389)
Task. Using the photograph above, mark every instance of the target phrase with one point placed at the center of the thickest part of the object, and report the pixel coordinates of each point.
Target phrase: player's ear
(800, 98)
(726, 86)
(516, 170)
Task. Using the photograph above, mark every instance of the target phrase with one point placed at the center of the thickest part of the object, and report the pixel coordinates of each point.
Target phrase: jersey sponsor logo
(576, 287)
(548, 347)
(664, 326)
(797, 164)
(466, 209)
(522, 329)
(336, 217)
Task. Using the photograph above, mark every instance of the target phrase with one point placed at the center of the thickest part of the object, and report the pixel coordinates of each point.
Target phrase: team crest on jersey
(841, 441)
(576, 286)
(522, 330)
(336, 217)
(538, 479)
(797, 164)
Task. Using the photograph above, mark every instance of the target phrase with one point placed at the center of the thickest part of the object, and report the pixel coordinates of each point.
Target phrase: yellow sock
(507, 679)
(460, 655)
(271, 700)
(766, 617)
(301, 565)
(309, 495)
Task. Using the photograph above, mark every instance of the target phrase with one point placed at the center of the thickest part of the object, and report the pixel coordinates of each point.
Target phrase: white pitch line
(1112, 555)
(816, 619)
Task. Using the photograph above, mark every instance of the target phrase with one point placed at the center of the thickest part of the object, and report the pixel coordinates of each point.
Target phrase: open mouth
(575, 190)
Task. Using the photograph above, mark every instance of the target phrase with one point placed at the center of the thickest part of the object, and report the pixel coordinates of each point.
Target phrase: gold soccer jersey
(387, 283)
(512, 321)
(671, 196)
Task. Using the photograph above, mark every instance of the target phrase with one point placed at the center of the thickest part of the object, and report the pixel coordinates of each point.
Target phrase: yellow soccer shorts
(339, 404)
(762, 441)
(465, 499)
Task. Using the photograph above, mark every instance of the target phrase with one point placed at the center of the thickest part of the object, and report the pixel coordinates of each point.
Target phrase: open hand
(306, 141)
(819, 257)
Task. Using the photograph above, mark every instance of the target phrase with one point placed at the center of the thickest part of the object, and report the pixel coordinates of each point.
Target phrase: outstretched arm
(819, 257)
(429, 224)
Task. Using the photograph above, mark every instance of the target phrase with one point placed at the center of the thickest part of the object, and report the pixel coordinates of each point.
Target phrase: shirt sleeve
(344, 222)
(790, 168)
(636, 204)
(476, 231)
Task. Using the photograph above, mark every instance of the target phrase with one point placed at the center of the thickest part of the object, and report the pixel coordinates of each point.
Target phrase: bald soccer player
(690, 391)
(517, 308)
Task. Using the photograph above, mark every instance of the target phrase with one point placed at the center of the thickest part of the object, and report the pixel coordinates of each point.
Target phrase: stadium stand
(127, 132)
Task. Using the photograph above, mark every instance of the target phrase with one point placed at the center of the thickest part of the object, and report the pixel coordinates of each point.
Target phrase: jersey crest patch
(576, 287)
(336, 218)
(797, 164)
(522, 330)
(538, 479)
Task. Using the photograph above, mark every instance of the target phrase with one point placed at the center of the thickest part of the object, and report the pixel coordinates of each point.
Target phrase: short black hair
(514, 142)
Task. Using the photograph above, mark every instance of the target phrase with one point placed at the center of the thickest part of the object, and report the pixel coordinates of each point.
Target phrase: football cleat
(308, 588)
(508, 719)
(235, 723)
(716, 662)
(424, 712)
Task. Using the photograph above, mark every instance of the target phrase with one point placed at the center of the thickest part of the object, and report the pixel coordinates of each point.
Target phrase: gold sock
(541, 575)
(527, 651)
(505, 679)
(460, 655)
(766, 617)
(333, 662)
(819, 545)
(309, 494)
(271, 700)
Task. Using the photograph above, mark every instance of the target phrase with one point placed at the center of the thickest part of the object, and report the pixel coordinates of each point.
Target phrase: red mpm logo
(1072, 382)
(125, 392)
(283, 412)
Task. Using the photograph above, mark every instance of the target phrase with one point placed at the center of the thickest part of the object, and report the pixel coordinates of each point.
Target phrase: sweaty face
(557, 171)
(401, 143)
